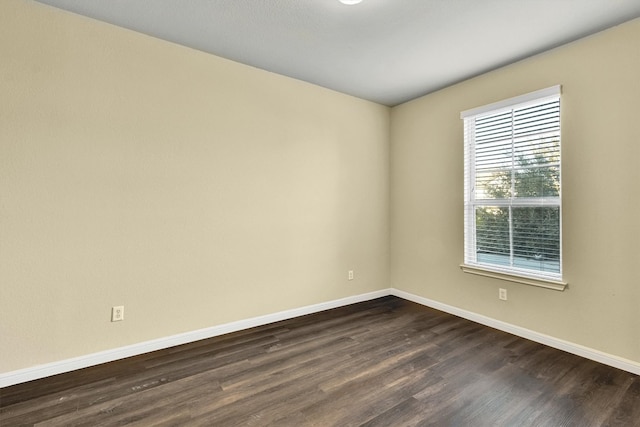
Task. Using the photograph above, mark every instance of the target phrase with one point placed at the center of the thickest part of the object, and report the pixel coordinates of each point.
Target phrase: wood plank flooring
(386, 362)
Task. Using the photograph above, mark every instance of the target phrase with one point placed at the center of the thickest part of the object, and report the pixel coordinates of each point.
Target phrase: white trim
(62, 366)
(569, 347)
(553, 91)
(509, 275)
(54, 368)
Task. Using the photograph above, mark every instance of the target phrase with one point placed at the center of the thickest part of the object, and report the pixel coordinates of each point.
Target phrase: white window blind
(512, 186)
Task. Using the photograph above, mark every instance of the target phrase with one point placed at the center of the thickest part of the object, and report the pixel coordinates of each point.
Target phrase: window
(512, 191)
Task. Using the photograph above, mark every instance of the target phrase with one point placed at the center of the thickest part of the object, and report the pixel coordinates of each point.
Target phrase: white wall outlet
(117, 313)
(350, 275)
(502, 294)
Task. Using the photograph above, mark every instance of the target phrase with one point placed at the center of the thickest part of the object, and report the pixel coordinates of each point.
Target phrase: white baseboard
(54, 368)
(569, 347)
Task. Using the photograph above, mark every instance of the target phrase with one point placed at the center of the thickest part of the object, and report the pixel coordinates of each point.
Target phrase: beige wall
(192, 190)
(600, 76)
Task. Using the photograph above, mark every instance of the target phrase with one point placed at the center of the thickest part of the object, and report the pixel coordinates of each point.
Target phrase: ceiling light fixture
(350, 2)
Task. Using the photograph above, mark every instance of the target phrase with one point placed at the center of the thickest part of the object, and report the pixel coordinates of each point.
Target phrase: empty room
(319, 213)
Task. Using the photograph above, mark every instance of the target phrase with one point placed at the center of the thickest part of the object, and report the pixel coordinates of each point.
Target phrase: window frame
(551, 280)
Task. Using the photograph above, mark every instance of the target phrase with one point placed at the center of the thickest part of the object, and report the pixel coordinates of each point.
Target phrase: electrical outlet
(502, 294)
(117, 313)
(350, 275)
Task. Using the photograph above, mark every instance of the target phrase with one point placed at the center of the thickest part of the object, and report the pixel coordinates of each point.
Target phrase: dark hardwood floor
(386, 362)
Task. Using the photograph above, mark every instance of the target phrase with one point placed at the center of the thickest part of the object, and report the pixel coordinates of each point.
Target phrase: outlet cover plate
(117, 313)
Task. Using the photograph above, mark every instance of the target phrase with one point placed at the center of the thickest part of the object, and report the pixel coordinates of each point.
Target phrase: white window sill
(549, 284)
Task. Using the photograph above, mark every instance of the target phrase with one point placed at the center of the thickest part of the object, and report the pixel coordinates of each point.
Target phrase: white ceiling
(387, 51)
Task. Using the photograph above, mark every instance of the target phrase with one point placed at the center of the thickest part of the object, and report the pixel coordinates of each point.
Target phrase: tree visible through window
(512, 186)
